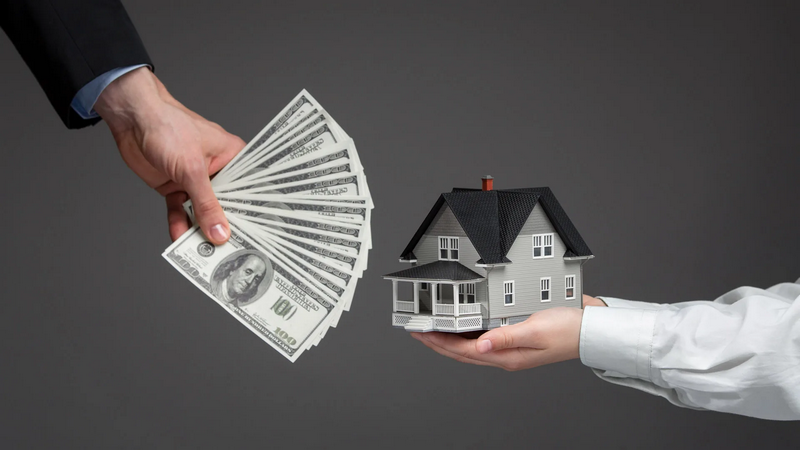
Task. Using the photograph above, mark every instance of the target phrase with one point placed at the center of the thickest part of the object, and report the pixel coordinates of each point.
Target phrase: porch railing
(402, 306)
(442, 309)
(463, 308)
(469, 308)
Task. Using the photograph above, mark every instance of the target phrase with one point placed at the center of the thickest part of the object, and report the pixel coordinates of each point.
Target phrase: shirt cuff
(620, 303)
(618, 340)
(84, 100)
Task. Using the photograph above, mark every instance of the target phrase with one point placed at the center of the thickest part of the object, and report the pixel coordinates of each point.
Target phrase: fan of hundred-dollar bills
(299, 208)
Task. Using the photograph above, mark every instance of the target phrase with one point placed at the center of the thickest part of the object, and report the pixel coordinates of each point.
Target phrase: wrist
(575, 334)
(130, 100)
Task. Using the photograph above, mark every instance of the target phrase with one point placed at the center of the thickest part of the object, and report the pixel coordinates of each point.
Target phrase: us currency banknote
(299, 107)
(254, 287)
(299, 206)
(316, 138)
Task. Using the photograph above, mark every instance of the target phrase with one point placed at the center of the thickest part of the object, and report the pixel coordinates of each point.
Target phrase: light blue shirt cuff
(84, 100)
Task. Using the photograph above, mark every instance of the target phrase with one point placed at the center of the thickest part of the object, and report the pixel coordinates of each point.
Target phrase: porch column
(394, 295)
(434, 296)
(455, 299)
(416, 297)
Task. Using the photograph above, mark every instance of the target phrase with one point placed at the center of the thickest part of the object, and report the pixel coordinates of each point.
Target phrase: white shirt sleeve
(738, 354)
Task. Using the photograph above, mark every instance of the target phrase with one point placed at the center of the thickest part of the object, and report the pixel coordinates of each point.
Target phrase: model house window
(544, 284)
(423, 286)
(504, 321)
(448, 248)
(508, 293)
(466, 293)
(543, 245)
(569, 287)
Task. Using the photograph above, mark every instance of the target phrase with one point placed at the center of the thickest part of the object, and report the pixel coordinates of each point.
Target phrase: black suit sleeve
(69, 43)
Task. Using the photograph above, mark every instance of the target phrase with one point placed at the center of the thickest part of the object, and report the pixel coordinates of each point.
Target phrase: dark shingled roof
(492, 220)
(438, 270)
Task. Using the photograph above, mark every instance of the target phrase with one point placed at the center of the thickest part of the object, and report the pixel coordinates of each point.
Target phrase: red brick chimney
(486, 183)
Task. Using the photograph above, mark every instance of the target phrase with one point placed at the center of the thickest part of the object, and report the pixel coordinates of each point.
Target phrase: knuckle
(195, 168)
(507, 340)
(205, 207)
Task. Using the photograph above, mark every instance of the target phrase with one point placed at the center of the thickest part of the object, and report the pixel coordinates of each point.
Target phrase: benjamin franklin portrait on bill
(242, 278)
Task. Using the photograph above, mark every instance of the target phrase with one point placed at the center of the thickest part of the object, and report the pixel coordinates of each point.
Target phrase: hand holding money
(169, 147)
(299, 208)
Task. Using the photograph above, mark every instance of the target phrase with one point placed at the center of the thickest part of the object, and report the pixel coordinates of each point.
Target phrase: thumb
(512, 336)
(206, 207)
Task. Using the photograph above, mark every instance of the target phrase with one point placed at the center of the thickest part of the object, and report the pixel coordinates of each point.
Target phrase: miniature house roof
(492, 219)
(438, 270)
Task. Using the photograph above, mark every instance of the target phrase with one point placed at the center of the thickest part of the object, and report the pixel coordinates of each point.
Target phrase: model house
(486, 258)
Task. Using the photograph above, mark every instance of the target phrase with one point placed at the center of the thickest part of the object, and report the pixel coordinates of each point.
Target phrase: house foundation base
(425, 322)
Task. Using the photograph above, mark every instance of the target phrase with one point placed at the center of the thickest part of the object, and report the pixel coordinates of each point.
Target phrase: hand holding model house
(506, 260)
(546, 337)
(497, 280)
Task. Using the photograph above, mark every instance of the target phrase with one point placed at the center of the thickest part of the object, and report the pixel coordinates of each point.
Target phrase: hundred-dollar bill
(331, 280)
(299, 126)
(334, 185)
(344, 261)
(326, 261)
(299, 123)
(319, 269)
(317, 274)
(349, 217)
(316, 138)
(300, 106)
(342, 152)
(265, 295)
(283, 227)
(312, 276)
(287, 229)
(289, 140)
(278, 253)
(315, 173)
(298, 202)
(312, 209)
(340, 237)
(337, 233)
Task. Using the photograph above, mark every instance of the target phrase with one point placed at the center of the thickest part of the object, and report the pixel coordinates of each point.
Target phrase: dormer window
(543, 245)
(448, 248)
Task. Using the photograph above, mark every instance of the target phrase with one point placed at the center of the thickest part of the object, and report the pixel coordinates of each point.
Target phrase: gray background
(669, 134)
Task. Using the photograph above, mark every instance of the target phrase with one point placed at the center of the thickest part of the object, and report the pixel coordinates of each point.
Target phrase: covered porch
(443, 297)
(447, 298)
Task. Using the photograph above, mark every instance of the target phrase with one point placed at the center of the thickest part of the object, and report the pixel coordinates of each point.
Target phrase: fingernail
(218, 233)
(485, 346)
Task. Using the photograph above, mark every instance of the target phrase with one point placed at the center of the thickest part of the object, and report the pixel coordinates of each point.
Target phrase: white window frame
(449, 244)
(506, 291)
(569, 283)
(465, 291)
(503, 321)
(545, 286)
(423, 286)
(542, 242)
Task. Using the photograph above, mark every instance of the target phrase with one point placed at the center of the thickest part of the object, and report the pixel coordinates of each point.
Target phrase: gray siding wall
(526, 273)
(446, 224)
(427, 250)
